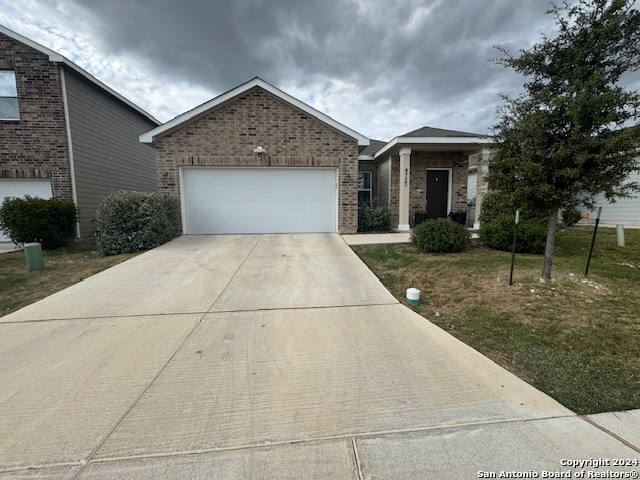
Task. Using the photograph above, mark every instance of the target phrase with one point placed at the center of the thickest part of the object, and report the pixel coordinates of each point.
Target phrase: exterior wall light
(259, 150)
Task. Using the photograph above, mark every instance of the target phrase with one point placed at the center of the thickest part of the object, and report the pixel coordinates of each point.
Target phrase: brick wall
(228, 135)
(420, 161)
(36, 145)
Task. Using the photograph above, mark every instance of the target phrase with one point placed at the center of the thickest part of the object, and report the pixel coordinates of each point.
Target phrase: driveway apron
(264, 356)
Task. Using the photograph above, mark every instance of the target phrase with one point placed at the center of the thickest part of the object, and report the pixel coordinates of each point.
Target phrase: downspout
(72, 172)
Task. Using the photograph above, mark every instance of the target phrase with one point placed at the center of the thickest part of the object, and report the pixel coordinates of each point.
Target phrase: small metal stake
(513, 253)
(593, 241)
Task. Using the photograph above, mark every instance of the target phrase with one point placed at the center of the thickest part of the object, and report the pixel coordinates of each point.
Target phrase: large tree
(571, 134)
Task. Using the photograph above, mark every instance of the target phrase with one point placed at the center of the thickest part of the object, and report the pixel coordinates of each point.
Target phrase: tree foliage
(569, 135)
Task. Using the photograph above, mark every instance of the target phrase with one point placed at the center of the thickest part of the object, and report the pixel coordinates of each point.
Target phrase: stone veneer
(228, 134)
(35, 146)
(420, 161)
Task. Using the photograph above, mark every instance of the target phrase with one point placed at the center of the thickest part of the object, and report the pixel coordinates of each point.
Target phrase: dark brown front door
(437, 193)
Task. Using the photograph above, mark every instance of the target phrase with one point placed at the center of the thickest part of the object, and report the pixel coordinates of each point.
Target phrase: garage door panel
(254, 200)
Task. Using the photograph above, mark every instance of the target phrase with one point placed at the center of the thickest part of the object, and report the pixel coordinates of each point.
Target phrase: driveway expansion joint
(351, 437)
(357, 458)
(260, 237)
(610, 433)
(89, 458)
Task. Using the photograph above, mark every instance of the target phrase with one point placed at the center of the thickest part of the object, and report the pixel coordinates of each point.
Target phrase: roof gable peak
(240, 90)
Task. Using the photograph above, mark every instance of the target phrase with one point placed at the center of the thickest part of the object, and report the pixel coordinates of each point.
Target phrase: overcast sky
(381, 67)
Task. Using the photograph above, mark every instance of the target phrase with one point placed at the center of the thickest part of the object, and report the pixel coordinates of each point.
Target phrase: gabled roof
(438, 132)
(369, 152)
(56, 57)
(425, 137)
(239, 90)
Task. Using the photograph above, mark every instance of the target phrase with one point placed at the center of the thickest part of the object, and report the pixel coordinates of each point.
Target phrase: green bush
(32, 219)
(571, 216)
(373, 218)
(498, 234)
(498, 205)
(497, 220)
(128, 222)
(440, 235)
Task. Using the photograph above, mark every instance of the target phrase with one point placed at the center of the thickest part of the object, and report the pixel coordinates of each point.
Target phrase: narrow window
(8, 96)
(364, 188)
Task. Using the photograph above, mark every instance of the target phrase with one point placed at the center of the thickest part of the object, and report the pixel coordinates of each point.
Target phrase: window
(364, 188)
(8, 96)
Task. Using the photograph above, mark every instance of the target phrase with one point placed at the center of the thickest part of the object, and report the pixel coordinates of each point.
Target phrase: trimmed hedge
(440, 235)
(373, 218)
(32, 219)
(129, 222)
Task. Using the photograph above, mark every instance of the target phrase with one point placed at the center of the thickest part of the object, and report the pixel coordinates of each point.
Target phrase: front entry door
(437, 193)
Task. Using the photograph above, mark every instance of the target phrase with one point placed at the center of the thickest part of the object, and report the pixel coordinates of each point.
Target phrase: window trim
(16, 96)
(370, 189)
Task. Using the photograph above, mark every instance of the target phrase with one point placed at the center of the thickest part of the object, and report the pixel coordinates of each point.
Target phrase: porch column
(405, 187)
(481, 183)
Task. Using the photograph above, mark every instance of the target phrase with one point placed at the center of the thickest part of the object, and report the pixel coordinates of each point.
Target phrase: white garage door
(259, 200)
(19, 187)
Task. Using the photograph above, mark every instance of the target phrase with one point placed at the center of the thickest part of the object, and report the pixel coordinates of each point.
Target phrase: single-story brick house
(257, 160)
(64, 134)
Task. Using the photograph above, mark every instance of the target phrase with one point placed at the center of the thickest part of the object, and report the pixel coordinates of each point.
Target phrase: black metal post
(513, 252)
(593, 241)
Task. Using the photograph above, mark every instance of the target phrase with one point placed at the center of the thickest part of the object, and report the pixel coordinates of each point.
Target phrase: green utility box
(33, 254)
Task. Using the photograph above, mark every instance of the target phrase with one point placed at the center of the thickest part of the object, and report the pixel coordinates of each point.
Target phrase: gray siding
(107, 155)
(626, 211)
(384, 180)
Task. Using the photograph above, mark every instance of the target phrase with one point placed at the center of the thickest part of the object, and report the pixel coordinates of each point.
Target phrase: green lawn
(577, 340)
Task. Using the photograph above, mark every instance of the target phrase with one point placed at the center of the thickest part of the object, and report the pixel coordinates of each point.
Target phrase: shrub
(571, 216)
(496, 225)
(128, 222)
(373, 218)
(32, 219)
(440, 235)
(498, 234)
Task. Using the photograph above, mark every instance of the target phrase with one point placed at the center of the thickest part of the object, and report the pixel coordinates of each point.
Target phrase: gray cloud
(424, 56)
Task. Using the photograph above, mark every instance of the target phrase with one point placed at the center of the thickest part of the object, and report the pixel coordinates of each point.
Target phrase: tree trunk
(550, 247)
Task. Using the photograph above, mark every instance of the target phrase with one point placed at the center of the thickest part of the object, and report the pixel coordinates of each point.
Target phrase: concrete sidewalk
(266, 356)
(8, 247)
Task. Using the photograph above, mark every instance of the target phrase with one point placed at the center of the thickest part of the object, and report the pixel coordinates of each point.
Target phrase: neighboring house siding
(36, 145)
(228, 134)
(107, 155)
(625, 211)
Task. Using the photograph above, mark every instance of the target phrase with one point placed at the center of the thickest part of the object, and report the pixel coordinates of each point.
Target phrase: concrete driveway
(266, 356)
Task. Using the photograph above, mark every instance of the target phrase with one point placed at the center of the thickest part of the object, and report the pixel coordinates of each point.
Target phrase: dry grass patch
(63, 268)
(577, 340)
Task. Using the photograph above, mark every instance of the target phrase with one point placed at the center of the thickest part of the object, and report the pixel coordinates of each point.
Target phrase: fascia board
(109, 90)
(432, 141)
(53, 56)
(256, 82)
(56, 57)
